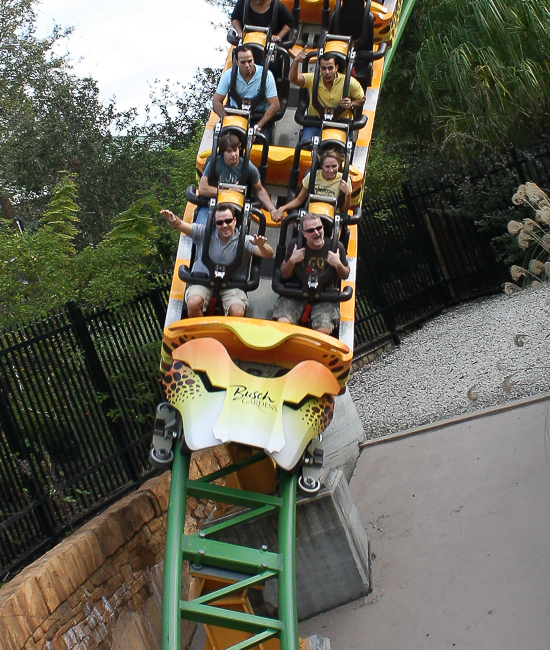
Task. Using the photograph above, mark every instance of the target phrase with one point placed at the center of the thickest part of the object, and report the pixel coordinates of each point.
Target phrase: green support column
(172, 576)
(288, 610)
(240, 567)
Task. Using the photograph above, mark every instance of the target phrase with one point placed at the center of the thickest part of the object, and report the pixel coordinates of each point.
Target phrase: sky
(126, 45)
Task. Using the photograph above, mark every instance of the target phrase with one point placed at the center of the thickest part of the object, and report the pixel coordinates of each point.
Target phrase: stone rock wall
(101, 587)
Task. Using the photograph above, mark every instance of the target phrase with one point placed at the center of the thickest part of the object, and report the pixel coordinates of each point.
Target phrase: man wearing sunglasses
(223, 246)
(301, 263)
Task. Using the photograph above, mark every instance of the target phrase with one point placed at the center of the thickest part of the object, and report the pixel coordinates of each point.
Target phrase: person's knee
(195, 305)
(323, 330)
(236, 310)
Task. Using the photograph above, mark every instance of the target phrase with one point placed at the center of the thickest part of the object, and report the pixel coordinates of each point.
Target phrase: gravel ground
(481, 354)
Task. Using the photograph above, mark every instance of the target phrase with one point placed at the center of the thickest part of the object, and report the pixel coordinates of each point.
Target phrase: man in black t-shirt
(303, 262)
(260, 14)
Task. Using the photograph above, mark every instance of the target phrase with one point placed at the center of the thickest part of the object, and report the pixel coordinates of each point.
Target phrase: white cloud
(126, 45)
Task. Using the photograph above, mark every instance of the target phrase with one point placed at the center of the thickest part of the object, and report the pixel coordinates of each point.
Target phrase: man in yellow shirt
(329, 91)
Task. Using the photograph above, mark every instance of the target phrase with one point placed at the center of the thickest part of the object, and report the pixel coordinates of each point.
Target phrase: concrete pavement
(458, 518)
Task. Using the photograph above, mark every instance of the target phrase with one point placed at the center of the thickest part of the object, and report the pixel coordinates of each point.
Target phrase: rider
(328, 182)
(302, 262)
(223, 246)
(329, 89)
(228, 169)
(248, 83)
(260, 14)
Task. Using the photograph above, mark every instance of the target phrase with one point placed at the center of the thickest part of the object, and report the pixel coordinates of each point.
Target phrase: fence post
(158, 307)
(368, 273)
(424, 218)
(518, 166)
(101, 384)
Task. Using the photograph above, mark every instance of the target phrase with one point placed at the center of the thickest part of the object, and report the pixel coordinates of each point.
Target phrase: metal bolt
(264, 565)
(264, 547)
(202, 535)
(201, 551)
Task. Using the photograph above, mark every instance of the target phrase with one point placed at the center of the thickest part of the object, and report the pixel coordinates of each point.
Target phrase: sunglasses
(224, 222)
(310, 230)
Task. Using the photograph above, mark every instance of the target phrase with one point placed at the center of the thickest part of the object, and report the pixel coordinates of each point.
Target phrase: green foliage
(34, 273)
(85, 181)
(62, 211)
(40, 269)
(467, 79)
(483, 69)
(386, 169)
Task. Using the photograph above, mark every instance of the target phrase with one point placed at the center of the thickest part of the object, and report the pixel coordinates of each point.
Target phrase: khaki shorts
(323, 314)
(229, 296)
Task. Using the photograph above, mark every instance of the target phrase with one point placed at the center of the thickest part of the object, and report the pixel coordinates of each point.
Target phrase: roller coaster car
(225, 385)
(344, 56)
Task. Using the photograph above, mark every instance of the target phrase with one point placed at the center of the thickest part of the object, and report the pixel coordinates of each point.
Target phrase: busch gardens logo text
(257, 398)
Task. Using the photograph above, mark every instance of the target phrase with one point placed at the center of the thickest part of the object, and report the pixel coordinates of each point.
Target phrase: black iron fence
(434, 244)
(78, 391)
(77, 400)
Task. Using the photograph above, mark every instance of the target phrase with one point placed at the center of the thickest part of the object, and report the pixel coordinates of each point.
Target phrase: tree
(468, 79)
(36, 268)
(23, 59)
(183, 109)
(62, 212)
(225, 5)
(53, 121)
(40, 270)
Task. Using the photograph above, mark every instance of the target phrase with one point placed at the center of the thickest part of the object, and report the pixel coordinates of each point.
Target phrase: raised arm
(261, 247)
(294, 74)
(175, 222)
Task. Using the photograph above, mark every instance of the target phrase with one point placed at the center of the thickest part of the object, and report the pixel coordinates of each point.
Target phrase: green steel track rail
(403, 18)
(249, 567)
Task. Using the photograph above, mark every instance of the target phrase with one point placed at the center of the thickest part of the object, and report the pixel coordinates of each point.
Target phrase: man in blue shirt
(248, 82)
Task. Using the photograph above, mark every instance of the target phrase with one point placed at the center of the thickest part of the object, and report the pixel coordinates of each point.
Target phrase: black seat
(354, 18)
